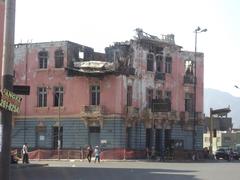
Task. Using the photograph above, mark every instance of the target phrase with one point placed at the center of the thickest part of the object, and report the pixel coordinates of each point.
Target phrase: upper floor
(144, 73)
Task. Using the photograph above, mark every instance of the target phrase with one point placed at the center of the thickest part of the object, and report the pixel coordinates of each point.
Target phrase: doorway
(94, 135)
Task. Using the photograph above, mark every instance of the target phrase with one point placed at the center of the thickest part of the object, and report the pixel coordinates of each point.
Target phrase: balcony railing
(184, 116)
(160, 76)
(189, 79)
(92, 110)
(132, 112)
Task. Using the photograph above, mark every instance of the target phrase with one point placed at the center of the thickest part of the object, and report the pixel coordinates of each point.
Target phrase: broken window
(150, 62)
(189, 67)
(95, 95)
(168, 65)
(129, 96)
(189, 102)
(149, 98)
(58, 96)
(43, 59)
(42, 97)
(59, 58)
(159, 63)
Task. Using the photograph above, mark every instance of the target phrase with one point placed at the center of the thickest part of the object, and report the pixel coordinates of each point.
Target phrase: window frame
(58, 96)
(95, 95)
(59, 58)
(42, 97)
(168, 65)
(43, 59)
(150, 62)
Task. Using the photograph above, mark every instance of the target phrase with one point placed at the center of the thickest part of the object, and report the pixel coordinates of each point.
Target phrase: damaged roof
(94, 67)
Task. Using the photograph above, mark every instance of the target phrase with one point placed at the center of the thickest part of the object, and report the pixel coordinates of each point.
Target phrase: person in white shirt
(25, 153)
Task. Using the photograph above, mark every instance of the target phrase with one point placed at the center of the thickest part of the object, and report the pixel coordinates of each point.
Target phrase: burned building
(138, 95)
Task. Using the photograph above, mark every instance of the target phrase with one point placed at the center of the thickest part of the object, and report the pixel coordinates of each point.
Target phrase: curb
(20, 166)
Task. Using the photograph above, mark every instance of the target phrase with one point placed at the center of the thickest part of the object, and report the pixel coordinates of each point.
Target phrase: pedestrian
(97, 154)
(148, 152)
(89, 153)
(25, 158)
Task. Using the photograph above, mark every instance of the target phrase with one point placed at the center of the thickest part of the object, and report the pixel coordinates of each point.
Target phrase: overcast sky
(99, 23)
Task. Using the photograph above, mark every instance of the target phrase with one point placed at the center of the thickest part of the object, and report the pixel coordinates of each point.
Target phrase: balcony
(92, 111)
(159, 76)
(189, 79)
(132, 112)
(131, 71)
(184, 116)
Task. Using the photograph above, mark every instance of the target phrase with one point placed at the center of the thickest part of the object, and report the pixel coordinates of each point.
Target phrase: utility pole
(196, 31)
(7, 83)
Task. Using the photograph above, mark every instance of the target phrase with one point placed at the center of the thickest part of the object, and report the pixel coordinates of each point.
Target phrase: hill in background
(218, 99)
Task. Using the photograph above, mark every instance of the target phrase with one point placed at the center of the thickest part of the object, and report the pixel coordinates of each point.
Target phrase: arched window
(59, 57)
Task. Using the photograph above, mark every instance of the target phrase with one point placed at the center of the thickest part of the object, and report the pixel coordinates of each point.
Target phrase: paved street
(132, 170)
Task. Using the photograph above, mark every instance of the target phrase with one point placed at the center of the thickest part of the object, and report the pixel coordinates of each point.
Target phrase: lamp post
(59, 140)
(196, 31)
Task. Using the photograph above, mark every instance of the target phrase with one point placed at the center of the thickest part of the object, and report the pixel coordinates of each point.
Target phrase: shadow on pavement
(79, 173)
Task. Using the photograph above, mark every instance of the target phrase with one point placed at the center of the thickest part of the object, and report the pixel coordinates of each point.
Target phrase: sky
(100, 23)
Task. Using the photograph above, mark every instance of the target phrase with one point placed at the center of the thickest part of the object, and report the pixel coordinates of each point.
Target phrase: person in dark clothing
(89, 153)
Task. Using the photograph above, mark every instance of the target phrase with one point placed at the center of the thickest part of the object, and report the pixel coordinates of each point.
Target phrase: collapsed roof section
(94, 67)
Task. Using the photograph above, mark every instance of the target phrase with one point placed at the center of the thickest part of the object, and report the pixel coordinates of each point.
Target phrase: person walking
(89, 153)
(97, 154)
(25, 158)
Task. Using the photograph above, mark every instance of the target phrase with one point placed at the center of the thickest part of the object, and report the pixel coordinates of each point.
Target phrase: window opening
(42, 97)
(43, 59)
(95, 95)
(58, 96)
(149, 62)
(59, 58)
(168, 65)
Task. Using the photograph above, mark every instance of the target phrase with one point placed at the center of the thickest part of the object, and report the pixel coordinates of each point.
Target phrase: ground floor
(111, 133)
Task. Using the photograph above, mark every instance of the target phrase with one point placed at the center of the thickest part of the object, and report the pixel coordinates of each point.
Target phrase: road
(129, 170)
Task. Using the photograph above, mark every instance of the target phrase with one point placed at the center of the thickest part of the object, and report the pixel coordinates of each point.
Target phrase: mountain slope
(218, 99)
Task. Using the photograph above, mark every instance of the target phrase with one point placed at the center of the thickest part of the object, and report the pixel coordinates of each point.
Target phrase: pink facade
(138, 88)
(113, 87)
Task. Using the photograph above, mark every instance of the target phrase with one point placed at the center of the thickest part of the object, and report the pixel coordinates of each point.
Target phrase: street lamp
(59, 140)
(196, 31)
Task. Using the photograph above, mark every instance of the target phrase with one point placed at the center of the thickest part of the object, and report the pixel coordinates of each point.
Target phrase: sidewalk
(30, 165)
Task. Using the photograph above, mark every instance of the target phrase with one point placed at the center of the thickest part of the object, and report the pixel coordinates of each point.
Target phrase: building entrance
(94, 136)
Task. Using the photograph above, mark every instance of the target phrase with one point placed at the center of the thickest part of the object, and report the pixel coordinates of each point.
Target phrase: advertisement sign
(10, 101)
